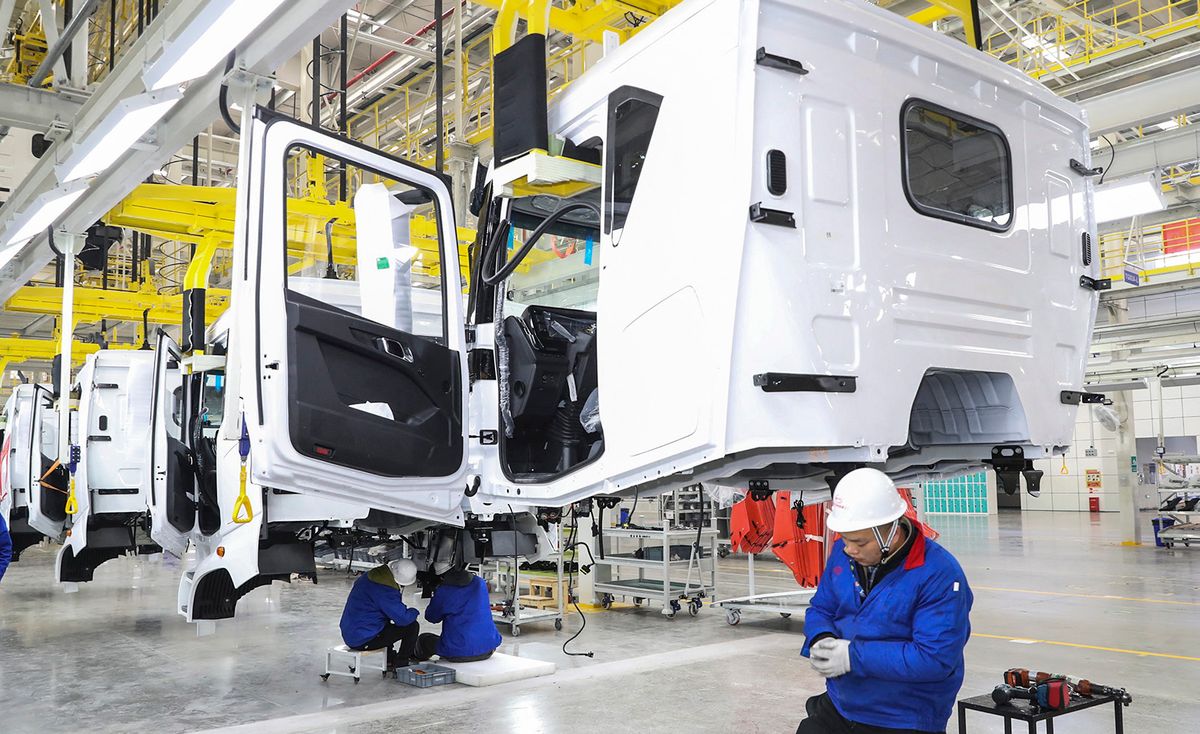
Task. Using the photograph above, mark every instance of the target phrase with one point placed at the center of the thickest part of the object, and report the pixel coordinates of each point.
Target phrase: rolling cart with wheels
(783, 603)
(509, 578)
(666, 552)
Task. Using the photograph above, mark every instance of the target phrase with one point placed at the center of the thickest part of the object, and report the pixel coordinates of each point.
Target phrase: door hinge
(777, 217)
(1095, 284)
(786, 382)
(1083, 170)
(1075, 397)
(774, 61)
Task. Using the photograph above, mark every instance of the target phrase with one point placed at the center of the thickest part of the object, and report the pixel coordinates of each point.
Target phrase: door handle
(393, 348)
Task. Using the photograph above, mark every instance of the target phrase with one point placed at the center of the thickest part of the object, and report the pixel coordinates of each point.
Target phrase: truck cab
(111, 487)
(837, 239)
(17, 459)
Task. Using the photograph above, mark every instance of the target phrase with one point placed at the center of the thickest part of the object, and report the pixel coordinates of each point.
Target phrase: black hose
(511, 265)
(330, 271)
(223, 98)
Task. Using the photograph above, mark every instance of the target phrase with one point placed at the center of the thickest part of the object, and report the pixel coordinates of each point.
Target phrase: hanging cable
(572, 543)
(501, 236)
(1112, 149)
(223, 97)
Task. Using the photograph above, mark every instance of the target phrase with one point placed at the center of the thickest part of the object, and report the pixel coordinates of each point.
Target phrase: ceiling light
(1129, 197)
(211, 35)
(116, 134)
(42, 213)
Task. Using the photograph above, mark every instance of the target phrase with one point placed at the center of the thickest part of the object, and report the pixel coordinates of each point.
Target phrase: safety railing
(1079, 33)
(1152, 252)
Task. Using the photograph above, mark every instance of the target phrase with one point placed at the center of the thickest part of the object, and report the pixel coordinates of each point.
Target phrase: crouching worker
(889, 621)
(376, 617)
(461, 604)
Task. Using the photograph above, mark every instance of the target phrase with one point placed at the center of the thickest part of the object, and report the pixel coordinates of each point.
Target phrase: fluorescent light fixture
(116, 134)
(207, 40)
(43, 212)
(1128, 197)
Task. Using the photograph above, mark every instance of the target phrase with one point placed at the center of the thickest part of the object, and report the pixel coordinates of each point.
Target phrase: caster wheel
(671, 615)
(607, 601)
(324, 676)
(637, 601)
(693, 609)
(356, 679)
(516, 631)
(351, 668)
(733, 617)
(786, 615)
(558, 625)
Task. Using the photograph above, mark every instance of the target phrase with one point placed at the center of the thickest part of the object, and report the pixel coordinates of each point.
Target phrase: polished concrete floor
(1053, 591)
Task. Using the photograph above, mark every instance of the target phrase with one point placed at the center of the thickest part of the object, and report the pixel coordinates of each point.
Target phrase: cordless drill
(1020, 677)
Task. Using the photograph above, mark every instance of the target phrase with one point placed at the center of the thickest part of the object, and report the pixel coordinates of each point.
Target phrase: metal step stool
(355, 661)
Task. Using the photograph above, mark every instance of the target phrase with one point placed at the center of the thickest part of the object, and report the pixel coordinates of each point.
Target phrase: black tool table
(1020, 710)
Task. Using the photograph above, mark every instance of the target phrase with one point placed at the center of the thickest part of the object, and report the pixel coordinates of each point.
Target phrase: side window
(212, 399)
(632, 114)
(956, 167)
(376, 254)
(563, 269)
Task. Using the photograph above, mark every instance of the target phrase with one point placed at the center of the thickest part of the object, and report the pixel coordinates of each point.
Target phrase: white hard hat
(404, 571)
(864, 499)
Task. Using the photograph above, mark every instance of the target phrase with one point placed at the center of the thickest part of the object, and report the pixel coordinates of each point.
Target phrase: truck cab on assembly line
(833, 239)
(112, 490)
(17, 462)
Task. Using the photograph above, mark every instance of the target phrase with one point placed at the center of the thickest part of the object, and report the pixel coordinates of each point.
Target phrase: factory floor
(1053, 591)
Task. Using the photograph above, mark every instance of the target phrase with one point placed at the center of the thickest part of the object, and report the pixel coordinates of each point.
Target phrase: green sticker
(382, 263)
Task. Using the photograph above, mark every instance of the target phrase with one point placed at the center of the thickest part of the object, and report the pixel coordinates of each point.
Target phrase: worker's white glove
(830, 657)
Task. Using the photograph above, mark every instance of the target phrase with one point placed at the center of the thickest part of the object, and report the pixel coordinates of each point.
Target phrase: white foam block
(497, 669)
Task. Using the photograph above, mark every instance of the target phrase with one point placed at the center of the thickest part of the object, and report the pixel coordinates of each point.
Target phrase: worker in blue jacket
(5, 547)
(376, 617)
(889, 621)
(462, 606)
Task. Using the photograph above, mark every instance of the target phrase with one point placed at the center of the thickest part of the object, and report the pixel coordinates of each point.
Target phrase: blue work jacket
(462, 606)
(906, 637)
(5, 547)
(369, 608)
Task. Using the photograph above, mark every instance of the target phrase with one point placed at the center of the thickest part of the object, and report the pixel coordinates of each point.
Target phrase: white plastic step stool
(341, 660)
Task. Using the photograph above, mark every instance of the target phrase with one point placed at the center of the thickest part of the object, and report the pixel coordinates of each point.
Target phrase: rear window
(956, 167)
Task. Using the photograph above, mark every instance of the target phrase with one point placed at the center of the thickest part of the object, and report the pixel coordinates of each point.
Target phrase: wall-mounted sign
(1093, 479)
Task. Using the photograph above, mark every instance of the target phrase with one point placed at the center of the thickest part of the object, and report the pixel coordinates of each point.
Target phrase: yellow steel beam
(590, 18)
(94, 304)
(199, 214)
(21, 349)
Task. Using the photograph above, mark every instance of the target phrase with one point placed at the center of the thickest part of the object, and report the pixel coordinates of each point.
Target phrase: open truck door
(49, 481)
(172, 499)
(354, 376)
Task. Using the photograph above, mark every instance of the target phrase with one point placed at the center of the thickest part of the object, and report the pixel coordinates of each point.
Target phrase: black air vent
(1087, 248)
(776, 172)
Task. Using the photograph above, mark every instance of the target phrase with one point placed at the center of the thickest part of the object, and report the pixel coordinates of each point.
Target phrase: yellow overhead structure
(94, 304)
(965, 10)
(583, 19)
(21, 349)
(205, 214)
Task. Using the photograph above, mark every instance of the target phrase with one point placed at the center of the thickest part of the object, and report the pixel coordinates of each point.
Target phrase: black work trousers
(389, 636)
(824, 718)
(427, 645)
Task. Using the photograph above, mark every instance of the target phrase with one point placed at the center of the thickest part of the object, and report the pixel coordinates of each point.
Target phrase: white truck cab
(111, 478)
(17, 462)
(834, 239)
